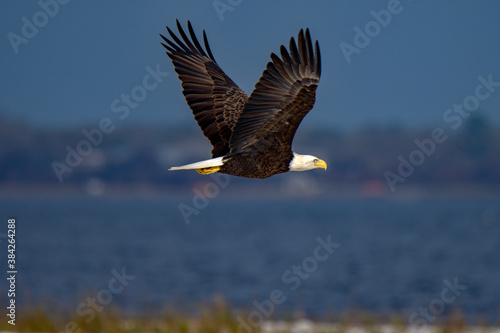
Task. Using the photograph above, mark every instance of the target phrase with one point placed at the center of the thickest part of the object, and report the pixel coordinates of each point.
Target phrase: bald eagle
(251, 135)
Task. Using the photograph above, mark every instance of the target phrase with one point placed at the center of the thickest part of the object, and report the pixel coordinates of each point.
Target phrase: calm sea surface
(388, 256)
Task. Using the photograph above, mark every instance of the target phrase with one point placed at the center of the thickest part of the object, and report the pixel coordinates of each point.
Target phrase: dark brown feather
(216, 101)
(283, 96)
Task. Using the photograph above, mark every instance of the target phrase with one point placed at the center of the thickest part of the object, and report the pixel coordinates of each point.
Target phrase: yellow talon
(206, 171)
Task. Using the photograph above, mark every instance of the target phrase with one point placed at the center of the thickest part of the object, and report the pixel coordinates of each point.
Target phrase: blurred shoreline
(287, 191)
(370, 162)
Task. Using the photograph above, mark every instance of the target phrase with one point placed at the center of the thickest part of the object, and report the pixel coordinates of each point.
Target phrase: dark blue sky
(83, 59)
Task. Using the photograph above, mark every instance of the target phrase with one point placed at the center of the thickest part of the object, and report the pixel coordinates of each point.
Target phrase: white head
(305, 162)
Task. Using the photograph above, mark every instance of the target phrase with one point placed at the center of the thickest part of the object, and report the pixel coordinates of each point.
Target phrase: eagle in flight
(251, 135)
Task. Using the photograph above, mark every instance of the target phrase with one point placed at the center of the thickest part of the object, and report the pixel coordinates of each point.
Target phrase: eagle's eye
(315, 160)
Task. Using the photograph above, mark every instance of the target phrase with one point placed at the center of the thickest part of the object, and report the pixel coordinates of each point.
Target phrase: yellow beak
(320, 164)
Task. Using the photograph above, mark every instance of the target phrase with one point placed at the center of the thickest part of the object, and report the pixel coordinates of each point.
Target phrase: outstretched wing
(216, 101)
(283, 96)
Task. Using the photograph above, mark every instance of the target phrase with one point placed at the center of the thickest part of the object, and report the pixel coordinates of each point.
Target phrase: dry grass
(212, 317)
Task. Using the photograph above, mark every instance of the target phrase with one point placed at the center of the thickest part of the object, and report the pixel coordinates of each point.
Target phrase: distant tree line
(143, 154)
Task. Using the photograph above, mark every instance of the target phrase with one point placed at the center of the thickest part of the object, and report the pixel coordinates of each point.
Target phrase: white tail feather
(213, 162)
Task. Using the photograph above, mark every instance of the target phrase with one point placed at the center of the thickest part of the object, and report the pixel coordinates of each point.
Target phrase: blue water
(392, 256)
